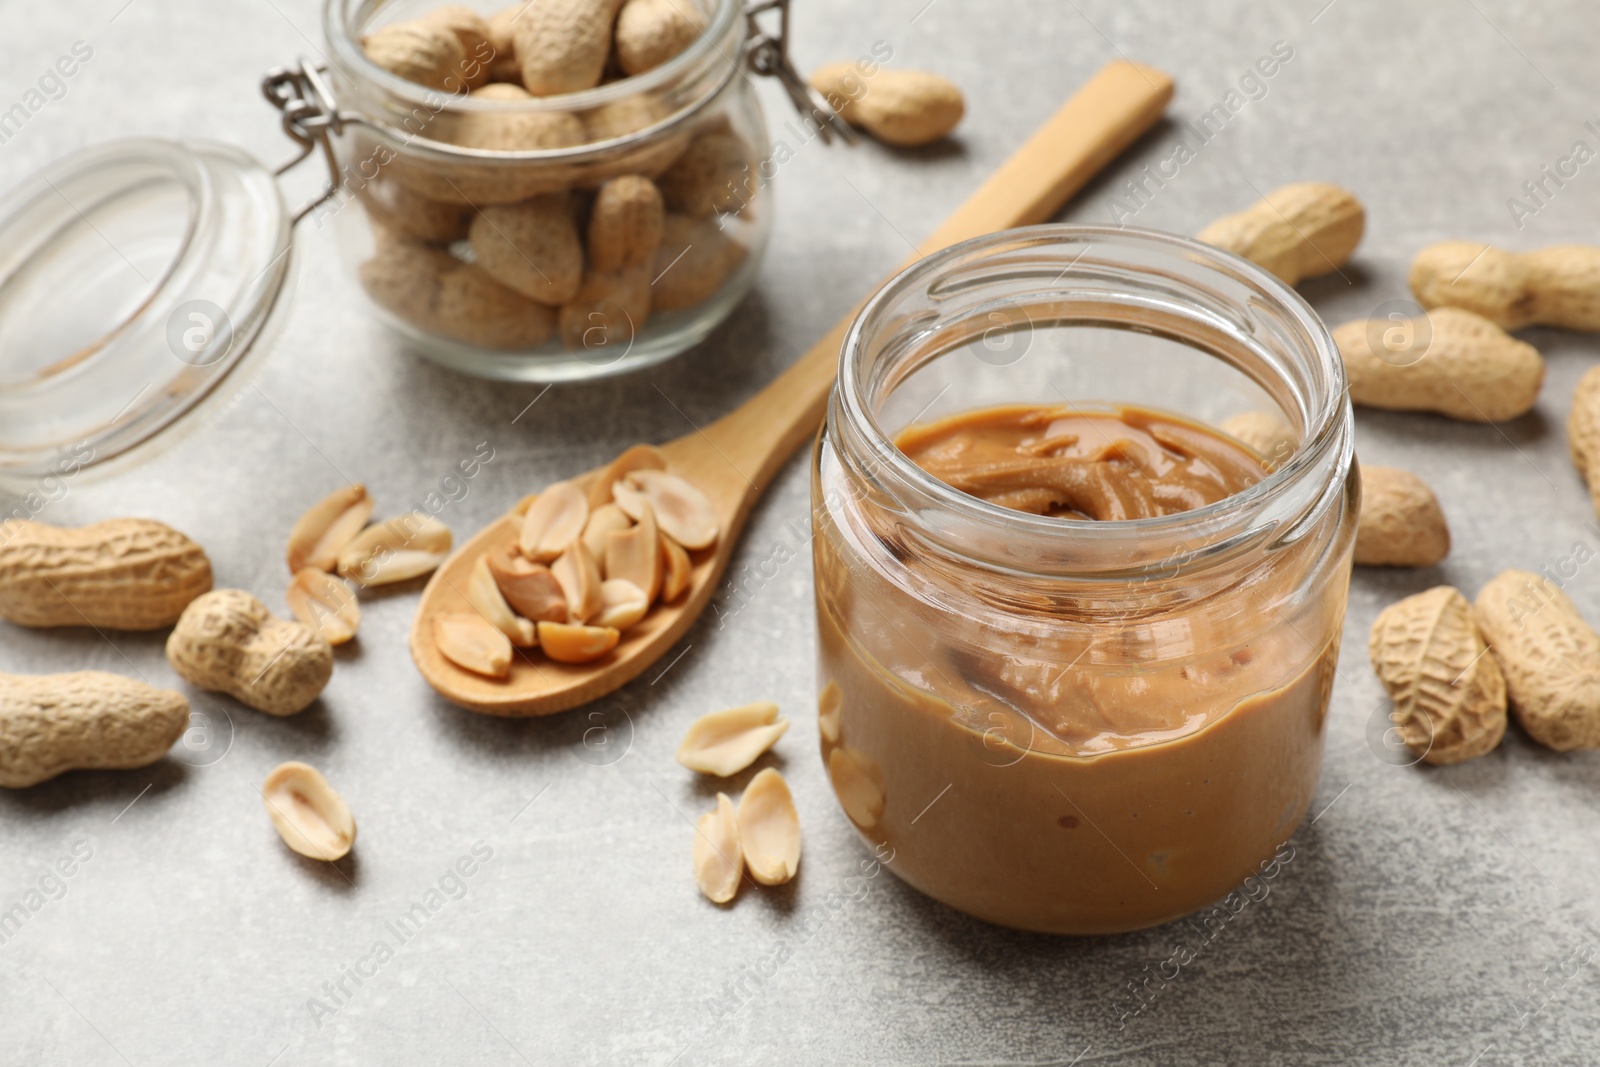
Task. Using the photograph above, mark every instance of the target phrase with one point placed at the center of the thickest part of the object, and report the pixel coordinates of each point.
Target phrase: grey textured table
(1428, 916)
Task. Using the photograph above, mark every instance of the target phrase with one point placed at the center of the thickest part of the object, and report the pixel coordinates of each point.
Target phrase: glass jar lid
(137, 281)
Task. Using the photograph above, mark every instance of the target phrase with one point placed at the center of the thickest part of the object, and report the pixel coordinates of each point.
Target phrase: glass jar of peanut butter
(1084, 508)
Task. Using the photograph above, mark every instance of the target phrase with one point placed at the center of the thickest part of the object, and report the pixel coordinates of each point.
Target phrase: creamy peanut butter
(1075, 772)
(1127, 464)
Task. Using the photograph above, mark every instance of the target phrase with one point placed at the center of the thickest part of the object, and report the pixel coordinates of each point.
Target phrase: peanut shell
(650, 32)
(1449, 695)
(418, 51)
(1295, 232)
(1454, 363)
(531, 247)
(899, 107)
(694, 259)
(1557, 286)
(562, 45)
(227, 641)
(89, 720)
(626, 223)
(714, 175)
(1550, 657)
(1401, 523)
(121, 574)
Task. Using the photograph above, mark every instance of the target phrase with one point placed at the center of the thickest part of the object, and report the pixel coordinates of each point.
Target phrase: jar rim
(340, 28)
(1327, 439)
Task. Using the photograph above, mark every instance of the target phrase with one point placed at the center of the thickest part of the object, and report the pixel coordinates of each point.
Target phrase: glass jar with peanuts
(547, 191)
(1084, 510)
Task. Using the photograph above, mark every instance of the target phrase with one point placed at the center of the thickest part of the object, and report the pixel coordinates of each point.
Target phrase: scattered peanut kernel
(769, 829)
(324, 603)
(308, 814)
(723, 743)
(329, 525)
(718, 861)
(395, 550)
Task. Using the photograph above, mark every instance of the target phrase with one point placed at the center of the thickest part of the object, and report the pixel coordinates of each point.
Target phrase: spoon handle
(1112, 110)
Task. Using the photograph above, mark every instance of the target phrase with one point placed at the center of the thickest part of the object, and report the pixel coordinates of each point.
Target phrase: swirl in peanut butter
(1125, 463)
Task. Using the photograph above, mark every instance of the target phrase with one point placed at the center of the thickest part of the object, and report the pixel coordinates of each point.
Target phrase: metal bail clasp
(769, 55)
(310, 116)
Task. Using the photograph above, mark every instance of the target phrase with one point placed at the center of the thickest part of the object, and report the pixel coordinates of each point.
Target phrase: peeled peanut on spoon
(681, 510)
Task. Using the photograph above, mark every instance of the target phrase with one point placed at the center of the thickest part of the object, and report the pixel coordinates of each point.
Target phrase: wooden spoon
(734, 459)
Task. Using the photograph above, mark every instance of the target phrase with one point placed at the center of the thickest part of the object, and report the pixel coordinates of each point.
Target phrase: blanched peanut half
(325, 604)
(308, 814)
(623, 604)
(529, 587)
(723, 743)
(554, 520)
(675, 570)
(830, 708)
(634, 554)
(603, 520)
(637, 458)
(681, 509)
(718, 861)
(483, 593)
(628, 498)
(327, 527)
(769, 829)
(472, 643)
(566, 643)
(859, 784)
(395, 550)
(579, 577)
